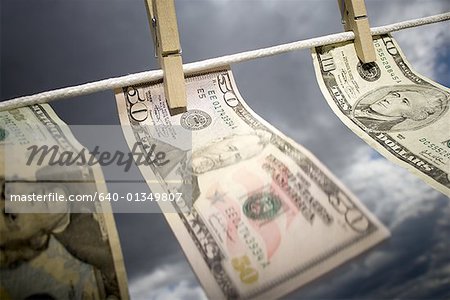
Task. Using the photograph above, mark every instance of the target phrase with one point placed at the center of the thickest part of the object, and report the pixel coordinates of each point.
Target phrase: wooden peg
(354, 18)
(163, 24)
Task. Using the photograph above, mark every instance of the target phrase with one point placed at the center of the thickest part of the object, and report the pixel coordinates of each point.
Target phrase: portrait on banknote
(218, 154)
(53, 249)
(228, 150)
(59, 235)
(400, 108)
(397, 111)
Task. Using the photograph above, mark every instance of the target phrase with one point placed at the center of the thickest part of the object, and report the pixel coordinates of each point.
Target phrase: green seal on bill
(262, 206)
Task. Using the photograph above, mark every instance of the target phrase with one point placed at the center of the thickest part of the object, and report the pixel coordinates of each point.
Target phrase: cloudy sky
(48, 44)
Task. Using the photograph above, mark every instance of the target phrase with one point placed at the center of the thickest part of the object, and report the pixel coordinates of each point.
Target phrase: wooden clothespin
(354, 18)
(163, 24)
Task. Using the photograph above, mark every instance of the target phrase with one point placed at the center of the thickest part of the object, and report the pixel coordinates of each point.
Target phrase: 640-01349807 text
(107, 197)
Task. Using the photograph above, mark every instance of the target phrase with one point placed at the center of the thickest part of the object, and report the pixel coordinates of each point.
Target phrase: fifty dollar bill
(401, 114)
(266, 216)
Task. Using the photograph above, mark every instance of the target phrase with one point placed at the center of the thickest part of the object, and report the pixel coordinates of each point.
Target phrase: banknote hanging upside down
(260, 216)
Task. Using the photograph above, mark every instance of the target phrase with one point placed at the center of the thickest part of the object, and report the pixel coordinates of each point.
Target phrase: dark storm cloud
(147, 242)
(49, 44)
(414, 264)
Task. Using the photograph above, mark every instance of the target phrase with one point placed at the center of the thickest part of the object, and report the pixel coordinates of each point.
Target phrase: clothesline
(137, 78)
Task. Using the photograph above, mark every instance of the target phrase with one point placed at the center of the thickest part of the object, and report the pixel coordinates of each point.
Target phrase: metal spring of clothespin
(164, 28)
(354, 18)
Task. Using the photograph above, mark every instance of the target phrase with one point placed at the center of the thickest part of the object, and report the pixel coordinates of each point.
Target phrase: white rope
(132, 79)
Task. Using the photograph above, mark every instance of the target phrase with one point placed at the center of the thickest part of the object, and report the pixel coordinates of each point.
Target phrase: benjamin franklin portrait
(400, 108)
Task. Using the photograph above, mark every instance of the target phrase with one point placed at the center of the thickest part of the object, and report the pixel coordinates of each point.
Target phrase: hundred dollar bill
(51, 248)
(262, 215)
(398, 112)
